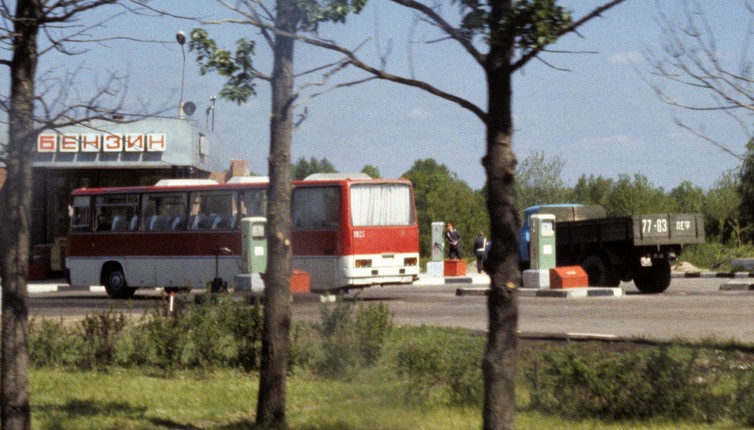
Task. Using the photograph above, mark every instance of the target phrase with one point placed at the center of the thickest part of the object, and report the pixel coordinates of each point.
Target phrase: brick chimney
(239, 168)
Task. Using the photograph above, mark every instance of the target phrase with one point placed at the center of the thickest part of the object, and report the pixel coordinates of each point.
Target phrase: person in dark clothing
(454, 242)
(480, 243)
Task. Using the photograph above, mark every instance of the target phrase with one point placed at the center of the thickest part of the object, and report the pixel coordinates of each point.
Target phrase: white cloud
(618, 141)
(418, 113)
(629, 57)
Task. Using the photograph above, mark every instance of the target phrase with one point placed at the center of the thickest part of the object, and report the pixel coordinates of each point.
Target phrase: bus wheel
(653, 279)
(115, 283)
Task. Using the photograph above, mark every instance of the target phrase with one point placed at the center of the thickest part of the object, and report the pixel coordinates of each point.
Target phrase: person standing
(480, 243)
(454, 242)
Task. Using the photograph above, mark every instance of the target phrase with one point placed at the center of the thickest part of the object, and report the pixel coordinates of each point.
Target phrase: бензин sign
(106, 142)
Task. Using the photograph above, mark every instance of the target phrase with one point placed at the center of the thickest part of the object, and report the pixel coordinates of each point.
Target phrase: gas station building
(112, 153)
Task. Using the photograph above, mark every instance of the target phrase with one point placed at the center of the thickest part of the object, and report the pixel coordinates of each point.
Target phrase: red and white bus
(349, 231)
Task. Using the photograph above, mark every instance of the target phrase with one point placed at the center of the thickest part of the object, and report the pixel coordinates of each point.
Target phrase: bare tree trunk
(16, 220)
(277, 299)
(501, 354)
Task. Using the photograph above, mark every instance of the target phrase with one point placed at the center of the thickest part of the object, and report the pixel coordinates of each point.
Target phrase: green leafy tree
(687, 198)
(372, 171)
(746, 192)
(280, 32)
(634, 196)
(441, 196)
(303, 168)
(592, 190)
(721, 206)
(538, 181)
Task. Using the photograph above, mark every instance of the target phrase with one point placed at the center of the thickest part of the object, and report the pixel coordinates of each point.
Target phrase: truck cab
(562, 212)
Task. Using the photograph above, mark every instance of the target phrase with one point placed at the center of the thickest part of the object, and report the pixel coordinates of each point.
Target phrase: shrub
(716, 256)
(442, 367)
(373, 325)
(340, 347)
(350, 342)
(209, 342)
(100, 334)
(166, 337)
(662, 383)
(305, 347)
(244, 323)
(53, 344)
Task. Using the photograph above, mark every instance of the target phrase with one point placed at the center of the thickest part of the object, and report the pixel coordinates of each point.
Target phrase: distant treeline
(442, 196)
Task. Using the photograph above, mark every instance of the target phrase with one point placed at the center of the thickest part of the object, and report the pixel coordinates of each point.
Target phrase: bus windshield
(381, 205)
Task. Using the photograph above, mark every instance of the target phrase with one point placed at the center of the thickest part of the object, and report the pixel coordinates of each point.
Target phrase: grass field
(130, 399)
(356, 370)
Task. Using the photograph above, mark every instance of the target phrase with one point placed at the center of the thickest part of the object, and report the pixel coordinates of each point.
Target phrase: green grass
(129, 399)
(425, 378)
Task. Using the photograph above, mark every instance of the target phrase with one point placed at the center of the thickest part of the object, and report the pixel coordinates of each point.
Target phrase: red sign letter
(47, 142)
(91, 142)
(69, 143)
(156, 142)
(113, 143)
(134, 142)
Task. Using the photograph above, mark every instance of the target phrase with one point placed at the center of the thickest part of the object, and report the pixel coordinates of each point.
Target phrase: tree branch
(446, 27)
(528, 55)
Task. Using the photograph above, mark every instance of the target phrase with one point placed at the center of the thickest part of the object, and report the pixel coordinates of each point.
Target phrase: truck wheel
(599, 272)
(115, 283)
(654, 279)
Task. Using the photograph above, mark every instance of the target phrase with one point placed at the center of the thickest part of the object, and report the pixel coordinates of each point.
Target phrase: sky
(590, 104)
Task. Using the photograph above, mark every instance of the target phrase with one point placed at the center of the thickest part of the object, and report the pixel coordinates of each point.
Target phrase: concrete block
(248, 283)
(745, 263)
(534, 278)
(435, 268)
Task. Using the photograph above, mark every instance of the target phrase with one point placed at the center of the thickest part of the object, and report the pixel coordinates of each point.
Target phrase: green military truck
(637, 248)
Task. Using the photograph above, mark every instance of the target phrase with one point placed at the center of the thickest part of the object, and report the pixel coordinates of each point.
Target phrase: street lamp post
(181, 39)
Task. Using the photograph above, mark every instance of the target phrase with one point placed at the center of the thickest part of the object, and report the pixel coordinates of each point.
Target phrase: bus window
(163, 212)
(381, 205)
(114, 212)
(316, 208)
(80, 213)
(213, 210)
(253, 203)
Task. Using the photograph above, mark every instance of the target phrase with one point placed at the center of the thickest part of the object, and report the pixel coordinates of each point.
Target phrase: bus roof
(242, 182)
(331, 176)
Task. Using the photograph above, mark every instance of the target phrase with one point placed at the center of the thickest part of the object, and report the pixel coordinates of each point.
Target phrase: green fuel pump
(542, 250)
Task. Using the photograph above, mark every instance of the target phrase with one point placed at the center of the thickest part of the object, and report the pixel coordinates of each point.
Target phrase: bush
(373, 325)
(52, 344)
(245, 324)
(349, 342)
(716, 256)
(99, 335)
(662, 383)
(305, 348)
(442, 368)
(215, 333)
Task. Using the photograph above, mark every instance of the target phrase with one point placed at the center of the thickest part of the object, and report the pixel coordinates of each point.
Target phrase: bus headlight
(410, 261)
(362, 263)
